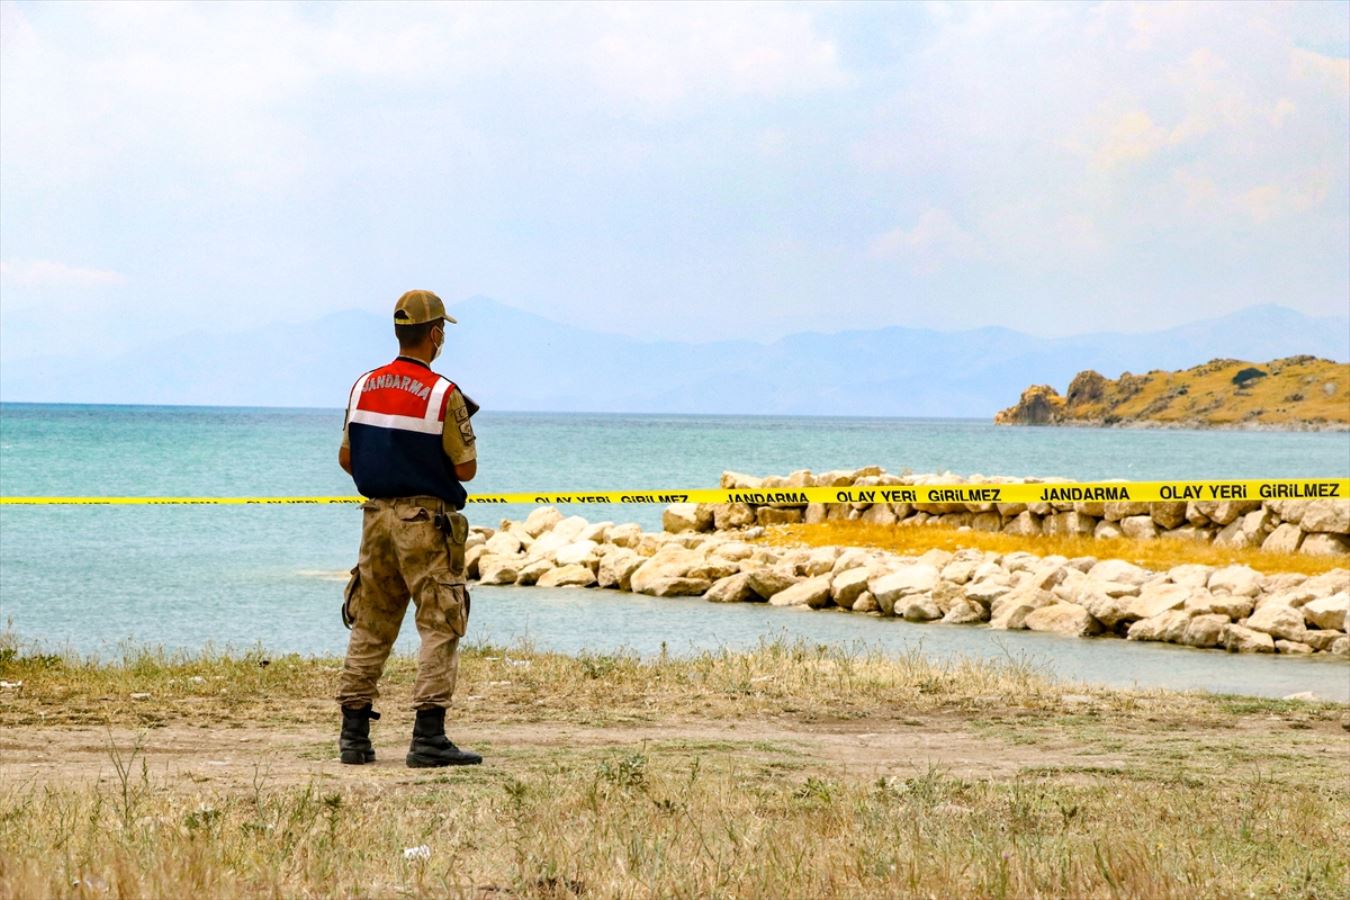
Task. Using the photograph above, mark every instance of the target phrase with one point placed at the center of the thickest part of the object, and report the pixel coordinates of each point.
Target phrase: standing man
(408, 445)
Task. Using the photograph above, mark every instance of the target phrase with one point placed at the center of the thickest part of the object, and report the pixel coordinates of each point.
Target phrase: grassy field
(791, 771)
(1158, 555)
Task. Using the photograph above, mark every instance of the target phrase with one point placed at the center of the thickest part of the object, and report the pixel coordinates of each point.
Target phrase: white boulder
(1329, 612)
(814, 592)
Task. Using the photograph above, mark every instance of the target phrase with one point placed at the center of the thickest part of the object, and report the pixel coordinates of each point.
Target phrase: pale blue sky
(696, 171)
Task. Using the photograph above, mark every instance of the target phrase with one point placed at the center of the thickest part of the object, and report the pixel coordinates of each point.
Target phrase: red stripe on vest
(402, 389)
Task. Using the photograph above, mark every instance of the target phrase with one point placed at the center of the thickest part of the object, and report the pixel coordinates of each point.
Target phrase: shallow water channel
(571, 620)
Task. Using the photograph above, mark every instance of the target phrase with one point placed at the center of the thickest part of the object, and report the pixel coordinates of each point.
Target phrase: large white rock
(680, 517)
(1328, 612)
(567, 576)
(848, 586)
(1120, 509)
(918, 608)
(964, 612)
(1202, 602)
(1196, 533)
(1169, 515)
(1010, 611)
(1237, 639)
(1157, 598)
(576, 553)
(814, 592)
(1327, 583)
(1225, 511)
(1191, 575)
(1108, 610)
(1026, 524)
(1169, 626)
(541, 520)
(1325, 545)
(959, 570)
(598, 532)
(1205, 630)
(727, 516)
(1107, 531)
(1119, 571)
(879, 514)
(494, 569)
(1293, 648)
(547, 544)
(733, 551)
(670, 563)
(1322, 638)
(911, 579)
(1327, 515)
(986, 592)
(530, 573)
(1139, 528)
(617, 568)
(503, 543)
(771, 580)
(1234, 537)
(1062, 618)
(820, 561)
(1051, 571)
(626, 535)
(570, 528)
(1258, 524)
(1285, 538)
(1278, 621)
(865, 603)
(732, 589)
(1237, 580)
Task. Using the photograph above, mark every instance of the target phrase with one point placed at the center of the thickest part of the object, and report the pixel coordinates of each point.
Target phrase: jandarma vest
(395, 417)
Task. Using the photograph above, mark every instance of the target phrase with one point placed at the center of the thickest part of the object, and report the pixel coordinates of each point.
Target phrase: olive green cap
(418, 307)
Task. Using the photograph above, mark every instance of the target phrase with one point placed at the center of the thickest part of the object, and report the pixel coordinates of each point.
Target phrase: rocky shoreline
(1191, 425)
(1233, 607)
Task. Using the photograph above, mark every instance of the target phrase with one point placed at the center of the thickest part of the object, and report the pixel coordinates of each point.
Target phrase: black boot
(430, 747)
(354, 743)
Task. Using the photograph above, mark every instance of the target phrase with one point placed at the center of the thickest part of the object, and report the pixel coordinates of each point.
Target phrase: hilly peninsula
(1294, 393)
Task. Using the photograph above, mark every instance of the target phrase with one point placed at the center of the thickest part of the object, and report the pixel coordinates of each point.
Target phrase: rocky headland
(1295, 393)
(716, 552)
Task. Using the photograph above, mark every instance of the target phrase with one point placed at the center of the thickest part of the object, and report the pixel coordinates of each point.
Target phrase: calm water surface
(92, 579)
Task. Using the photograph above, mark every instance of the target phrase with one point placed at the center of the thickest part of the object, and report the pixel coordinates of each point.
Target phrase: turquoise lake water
(94, 579)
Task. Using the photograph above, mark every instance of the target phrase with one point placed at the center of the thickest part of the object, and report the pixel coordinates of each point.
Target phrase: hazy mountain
(510, 359)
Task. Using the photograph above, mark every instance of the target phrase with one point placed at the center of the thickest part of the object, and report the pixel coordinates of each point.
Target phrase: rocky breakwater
(1234, 607)
(1318, 527)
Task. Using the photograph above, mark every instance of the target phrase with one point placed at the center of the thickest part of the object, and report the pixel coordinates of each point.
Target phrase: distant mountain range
(508, 359)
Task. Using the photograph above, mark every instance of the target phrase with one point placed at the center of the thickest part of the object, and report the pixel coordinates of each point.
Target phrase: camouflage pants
(404, 555)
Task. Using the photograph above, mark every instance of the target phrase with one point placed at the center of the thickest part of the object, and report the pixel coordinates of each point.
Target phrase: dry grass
(1158, 554)
(1128, 793)
(1291, 392)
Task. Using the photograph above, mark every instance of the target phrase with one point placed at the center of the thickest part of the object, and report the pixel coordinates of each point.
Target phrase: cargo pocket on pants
(349, 597)
(452, 599)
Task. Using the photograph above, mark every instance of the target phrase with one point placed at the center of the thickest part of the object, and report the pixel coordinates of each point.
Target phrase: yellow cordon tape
(1038, 492)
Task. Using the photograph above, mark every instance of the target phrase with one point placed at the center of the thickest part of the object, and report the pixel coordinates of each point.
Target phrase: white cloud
(933, 240)
(1064, 131)
(660, 54)
(45, 273)
(218, 86)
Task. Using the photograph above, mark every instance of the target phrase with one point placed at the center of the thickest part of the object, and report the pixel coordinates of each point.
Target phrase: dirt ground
(301, 753)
